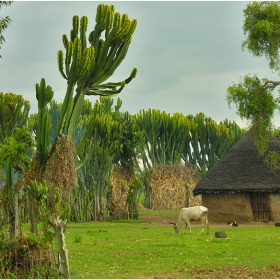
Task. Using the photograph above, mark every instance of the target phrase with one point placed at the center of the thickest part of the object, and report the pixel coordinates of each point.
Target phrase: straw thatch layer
(241, 170)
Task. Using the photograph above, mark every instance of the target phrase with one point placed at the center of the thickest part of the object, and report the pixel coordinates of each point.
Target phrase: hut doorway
(260, 206)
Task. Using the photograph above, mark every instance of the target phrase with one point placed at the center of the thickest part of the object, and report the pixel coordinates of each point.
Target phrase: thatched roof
(241, 170)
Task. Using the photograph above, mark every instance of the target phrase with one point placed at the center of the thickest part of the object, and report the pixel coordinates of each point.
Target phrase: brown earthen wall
(274, 203)
(228, 207)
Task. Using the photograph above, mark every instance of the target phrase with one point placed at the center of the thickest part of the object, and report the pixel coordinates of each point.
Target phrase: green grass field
(135, 249)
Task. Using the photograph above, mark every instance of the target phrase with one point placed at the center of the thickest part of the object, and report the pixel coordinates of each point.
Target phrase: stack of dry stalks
(26, 258)
(121, 179)
(168, 187)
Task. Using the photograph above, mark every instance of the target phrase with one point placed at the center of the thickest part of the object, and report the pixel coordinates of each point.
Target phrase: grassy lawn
(135, 249)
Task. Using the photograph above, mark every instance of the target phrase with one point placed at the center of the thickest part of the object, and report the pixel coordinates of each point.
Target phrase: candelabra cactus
(44, 95)
(84, 68)
(88, 67)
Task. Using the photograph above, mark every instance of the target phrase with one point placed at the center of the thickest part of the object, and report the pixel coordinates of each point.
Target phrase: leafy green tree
(14, 112)
(4, 22)
(253, 96)
(262, 30)
(255, 102)
(13, 119)
(14, 163)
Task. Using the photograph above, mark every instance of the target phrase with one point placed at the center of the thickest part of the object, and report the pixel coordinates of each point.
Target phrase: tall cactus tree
(209, 141)
(165, 136)
(89, 67)
(94, 175)
(85, 69)
(115, 140)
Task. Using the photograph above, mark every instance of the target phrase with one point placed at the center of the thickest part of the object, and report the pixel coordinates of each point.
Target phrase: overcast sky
(187, 53)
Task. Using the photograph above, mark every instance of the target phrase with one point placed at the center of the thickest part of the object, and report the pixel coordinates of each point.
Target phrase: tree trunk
(59, 226)
(32, 214)
(16, 214)
(12, 224)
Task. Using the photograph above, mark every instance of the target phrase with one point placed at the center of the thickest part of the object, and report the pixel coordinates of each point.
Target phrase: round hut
(240, 187)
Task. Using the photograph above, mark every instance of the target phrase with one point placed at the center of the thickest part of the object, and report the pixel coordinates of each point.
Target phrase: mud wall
(274, 203)
(228, 207)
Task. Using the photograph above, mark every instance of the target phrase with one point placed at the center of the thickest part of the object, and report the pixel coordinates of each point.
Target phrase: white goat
(195, 213)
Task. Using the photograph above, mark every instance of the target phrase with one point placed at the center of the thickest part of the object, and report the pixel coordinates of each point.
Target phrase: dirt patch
(165, 221)
(272, 272)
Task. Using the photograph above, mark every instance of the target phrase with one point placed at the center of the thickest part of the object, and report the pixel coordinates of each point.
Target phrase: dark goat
(232, 224)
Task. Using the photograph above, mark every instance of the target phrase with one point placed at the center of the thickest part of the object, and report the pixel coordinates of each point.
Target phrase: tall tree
(4, 22)
(114, 140)
(254, 97)
(255, 102)
(86, 70)
(262, 30)
(14, 162)
(13, 119)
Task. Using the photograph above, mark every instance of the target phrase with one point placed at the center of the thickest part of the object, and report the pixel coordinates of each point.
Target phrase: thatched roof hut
(240, 185)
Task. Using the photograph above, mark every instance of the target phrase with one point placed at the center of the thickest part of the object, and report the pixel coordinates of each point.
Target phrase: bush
(25, 257)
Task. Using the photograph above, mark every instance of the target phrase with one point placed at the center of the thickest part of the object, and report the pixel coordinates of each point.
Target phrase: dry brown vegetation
(121, 179)
(272, 272)
(168, 187)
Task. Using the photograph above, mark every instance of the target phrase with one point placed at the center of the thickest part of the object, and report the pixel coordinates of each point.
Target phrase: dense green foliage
(255, 102)
(262, 28)
(253, 96)
(197, 140)
(16, 143)
(14, 112)
(79, 143)
(14, 164)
